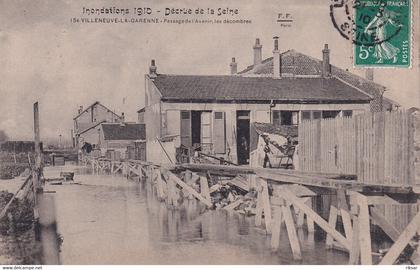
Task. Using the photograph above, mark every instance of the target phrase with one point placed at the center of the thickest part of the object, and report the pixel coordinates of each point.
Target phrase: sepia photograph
(226, 132)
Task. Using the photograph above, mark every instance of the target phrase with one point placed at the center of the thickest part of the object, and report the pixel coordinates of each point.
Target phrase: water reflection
(111, 220)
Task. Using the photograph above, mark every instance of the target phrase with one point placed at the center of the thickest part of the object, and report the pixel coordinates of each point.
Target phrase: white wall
(156, 154)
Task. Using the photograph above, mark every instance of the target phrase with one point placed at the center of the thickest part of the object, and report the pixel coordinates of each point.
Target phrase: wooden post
(36, 172)
(204, 187)
(355, 247)
(276, 230)
(346, 218)
(290, 197)
(44, 210)
(392, 232)
(343, 209)
(300, 219)
(402, 241)
(266, 205)
(160, 185)
(364, 230)
(332, 221)
(190, 189)
(259, 207)
(309, 220)
(48, 229)
(140, 172)
(291, 232)
(38, 153)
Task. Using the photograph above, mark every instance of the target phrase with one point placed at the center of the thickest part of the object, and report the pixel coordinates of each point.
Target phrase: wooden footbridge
(284, 196)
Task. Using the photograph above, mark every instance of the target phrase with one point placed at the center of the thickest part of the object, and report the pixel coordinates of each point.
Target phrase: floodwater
(112, 220)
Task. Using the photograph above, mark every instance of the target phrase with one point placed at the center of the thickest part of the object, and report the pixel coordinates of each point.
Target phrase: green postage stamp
(382, 33)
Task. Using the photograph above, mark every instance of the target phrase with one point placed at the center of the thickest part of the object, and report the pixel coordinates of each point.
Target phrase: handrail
(6, 207)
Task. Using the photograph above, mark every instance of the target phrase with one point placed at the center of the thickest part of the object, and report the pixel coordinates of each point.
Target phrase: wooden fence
(377, 147)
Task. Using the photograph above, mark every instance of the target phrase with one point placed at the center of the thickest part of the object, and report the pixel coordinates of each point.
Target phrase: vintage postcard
(277, 132)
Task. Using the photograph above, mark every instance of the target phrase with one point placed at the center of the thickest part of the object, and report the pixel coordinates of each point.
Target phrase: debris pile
(234, 195)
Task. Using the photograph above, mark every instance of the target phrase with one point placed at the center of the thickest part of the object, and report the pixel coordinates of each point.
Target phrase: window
(347, 113)
(330, 114)
(316, 115)
(306, 115)
(285, 118)
(218, 115)
(185, 115)
(219, 133)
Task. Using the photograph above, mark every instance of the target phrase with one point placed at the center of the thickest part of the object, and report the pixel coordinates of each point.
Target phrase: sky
(62, 65)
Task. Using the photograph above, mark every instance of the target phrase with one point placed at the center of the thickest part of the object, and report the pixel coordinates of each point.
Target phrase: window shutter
(186, 128)
(219, 133)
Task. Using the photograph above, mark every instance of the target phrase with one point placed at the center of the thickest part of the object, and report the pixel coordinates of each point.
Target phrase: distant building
(87, 120)
(213, 114)
(122, 140)
(294, 64)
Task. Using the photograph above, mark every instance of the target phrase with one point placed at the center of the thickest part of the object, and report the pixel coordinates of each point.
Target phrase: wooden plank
(332, 221)
(232, 205)
(259, 207)
(6, 207)
(204, 188)
(364, 230)
(309, 220)
(355, 247)
(48, 232)
(287, 195)
(348, 228)
(266, 205)
(343, 209)
(286, 177)
(391, 231)
(381, 200)
(300, 219)
(119, 167)
(159, 183)
(402, 241)
(170, 198)
(240, 182)
(192, 191)
(291, 232)
(276, 229)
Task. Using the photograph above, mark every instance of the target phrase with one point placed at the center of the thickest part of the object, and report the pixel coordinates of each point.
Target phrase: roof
(297, 64)
(92, 105)
(143, 109)
(94, 124)
(124, 131)
(238, 88)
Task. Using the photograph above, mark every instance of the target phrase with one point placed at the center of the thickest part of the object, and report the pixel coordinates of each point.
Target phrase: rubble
(229, 196)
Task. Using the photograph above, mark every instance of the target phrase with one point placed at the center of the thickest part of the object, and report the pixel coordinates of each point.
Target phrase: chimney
(276, 59)
(326, 67)
(80, 109)
(152, 69)
(257, 52)
(369, 74)
(233, 67)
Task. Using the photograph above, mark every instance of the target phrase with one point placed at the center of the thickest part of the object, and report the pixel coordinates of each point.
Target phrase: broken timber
(290, 197)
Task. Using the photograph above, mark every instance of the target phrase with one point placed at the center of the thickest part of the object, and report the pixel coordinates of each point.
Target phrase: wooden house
(213, 114)
(87, 121)
(122, 140)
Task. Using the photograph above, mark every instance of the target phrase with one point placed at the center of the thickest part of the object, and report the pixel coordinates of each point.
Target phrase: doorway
(242, 136)
(196, 129)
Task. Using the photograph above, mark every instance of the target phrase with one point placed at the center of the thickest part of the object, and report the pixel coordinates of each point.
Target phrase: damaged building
(213, 114)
